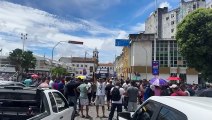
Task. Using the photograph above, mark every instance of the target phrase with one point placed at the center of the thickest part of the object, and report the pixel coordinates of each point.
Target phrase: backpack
(116, 94)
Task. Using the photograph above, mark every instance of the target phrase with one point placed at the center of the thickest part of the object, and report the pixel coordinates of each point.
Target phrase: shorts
(109, 97)
(83, 101)
(100, 100)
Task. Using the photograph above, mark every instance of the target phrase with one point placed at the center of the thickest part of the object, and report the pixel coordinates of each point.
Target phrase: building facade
(161, 26)
(81, 65)
(107, 67)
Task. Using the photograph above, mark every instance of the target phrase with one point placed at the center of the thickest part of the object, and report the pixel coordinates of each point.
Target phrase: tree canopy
(194, 37)
(22, 60)
(59, 71)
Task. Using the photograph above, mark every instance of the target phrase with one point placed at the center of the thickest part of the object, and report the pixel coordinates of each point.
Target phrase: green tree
(59, 71)
(22, 60)
(194, 37)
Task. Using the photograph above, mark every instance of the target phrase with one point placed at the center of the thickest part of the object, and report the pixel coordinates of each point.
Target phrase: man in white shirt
(115, 102)
(100, 96)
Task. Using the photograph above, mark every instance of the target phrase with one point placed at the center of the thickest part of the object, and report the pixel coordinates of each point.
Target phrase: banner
(155, 67)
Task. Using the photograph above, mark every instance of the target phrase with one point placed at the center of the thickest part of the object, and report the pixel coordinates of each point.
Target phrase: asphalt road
(92, 113)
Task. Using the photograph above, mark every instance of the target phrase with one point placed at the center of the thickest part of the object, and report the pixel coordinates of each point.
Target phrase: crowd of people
(116, 93)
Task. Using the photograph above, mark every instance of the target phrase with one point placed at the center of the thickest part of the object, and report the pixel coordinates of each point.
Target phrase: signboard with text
(155, 67)
(122, 42)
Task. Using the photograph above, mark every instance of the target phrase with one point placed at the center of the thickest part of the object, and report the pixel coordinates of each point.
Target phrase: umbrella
(81, 77)
(34, 76)
(158, 82)
(174, 78)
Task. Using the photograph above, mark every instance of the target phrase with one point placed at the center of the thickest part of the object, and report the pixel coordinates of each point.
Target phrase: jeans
(89, 97)
(73, 101)
(113, 108)
(132, 106)
(125, 102)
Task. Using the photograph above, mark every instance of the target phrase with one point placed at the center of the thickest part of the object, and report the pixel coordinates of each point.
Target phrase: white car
(171, 108)
(18, 103)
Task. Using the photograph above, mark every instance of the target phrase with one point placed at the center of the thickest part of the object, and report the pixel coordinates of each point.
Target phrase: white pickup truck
(18, 103)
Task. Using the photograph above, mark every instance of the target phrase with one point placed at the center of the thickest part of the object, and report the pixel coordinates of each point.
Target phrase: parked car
(11, 83)
(18, 103)
(171, 108)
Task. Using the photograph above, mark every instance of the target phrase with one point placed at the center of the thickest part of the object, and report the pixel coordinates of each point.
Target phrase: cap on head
(174, 86)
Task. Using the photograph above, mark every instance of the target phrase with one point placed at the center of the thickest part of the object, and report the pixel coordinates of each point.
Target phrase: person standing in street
(126, 85)
(45, 84)
(89, 93)
(100, 97)
(132, 93)
(83, 89)
(108, 89)
(28, 81)
(117, 92)
(70, 93)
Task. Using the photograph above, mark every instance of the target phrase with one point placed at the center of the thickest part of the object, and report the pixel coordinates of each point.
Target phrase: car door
(64, 112)
(59, 107)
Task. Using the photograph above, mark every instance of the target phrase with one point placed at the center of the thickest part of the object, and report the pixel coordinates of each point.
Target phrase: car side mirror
(125, 115)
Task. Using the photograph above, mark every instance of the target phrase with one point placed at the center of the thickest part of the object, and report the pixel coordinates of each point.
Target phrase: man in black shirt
(107, 89)
(71, 92)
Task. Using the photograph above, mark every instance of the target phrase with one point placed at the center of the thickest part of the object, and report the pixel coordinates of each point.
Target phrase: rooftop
(76, 60)
(106, 64)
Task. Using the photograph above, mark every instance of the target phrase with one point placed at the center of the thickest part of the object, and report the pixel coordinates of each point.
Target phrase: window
(172, 22)
(77, 65)
(61, 102)
(172, 37)
(86, 65)
(80, 72)
(73, 65)
(170, 114)
(167, 18)
(53, 103)
(172, 15)
(81, 65)
(194, 7)
(77, 72)
(146, 110)
(172, 30)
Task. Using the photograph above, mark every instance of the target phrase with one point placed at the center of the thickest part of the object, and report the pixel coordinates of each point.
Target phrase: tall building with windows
(162, 24)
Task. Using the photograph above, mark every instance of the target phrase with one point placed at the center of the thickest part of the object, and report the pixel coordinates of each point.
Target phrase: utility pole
(24, 38)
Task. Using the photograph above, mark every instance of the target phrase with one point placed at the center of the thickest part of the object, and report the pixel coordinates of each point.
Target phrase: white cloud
(45, 30)
(139, 27)
(143, 9)
(165, 4)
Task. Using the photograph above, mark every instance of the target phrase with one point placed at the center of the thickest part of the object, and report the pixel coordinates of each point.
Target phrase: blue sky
(95, 22)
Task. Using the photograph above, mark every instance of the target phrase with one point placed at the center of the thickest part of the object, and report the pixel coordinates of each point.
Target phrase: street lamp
(23, 37)
(70, 42)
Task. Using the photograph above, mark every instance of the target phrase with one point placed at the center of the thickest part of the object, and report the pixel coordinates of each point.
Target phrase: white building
(107, 67)
(79, 65)
(209, 4)
(162, 24)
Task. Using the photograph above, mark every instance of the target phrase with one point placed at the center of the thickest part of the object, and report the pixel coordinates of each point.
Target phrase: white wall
(138, 53)
(150, 24)
(192, 79)
(167, 26)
